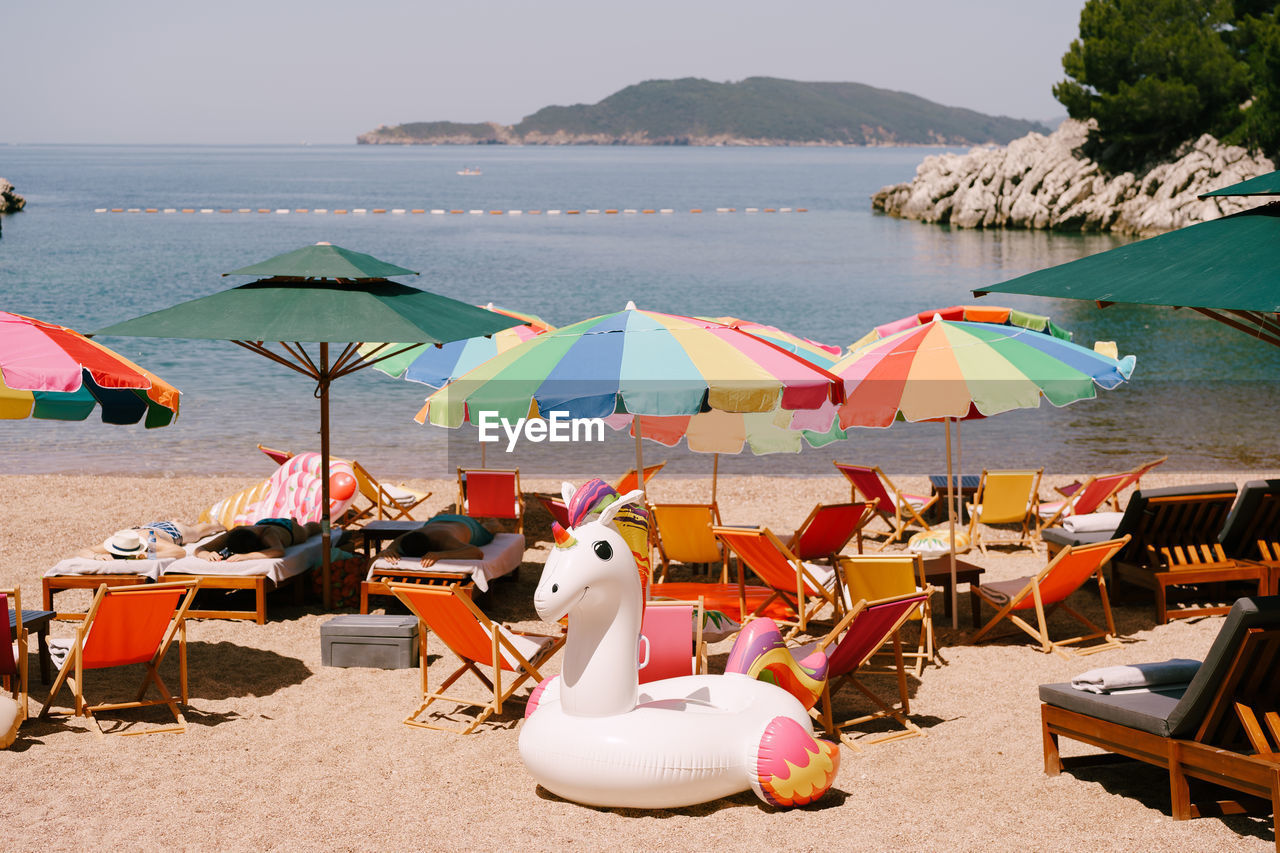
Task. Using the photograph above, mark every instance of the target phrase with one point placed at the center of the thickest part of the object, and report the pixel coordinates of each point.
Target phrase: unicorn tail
(790, 767)
(761, 653)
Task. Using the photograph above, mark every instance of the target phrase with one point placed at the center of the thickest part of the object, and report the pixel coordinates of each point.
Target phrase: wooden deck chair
(1048, 590)
(860, 634)
(129, 625)
(871, 577)
(383, 501)
(1252, 528)
(1133, 477)
(13, 661)
(491, 493)
(685, 534)
(557, 509)
(1089, 498)
(897, 508)
(671, 640)
(805, 588)
(829, 528)
(512, 656)
(629, 482)
(1211, 735)
(1005, 497)
(277, 456)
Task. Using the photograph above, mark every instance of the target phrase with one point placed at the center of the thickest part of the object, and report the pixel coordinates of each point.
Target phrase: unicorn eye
(603, 550)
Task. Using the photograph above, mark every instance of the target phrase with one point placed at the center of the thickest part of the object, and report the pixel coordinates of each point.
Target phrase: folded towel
(1092, 522)
(1135, 677)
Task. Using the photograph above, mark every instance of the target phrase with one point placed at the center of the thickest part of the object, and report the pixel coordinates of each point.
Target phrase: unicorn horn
(562, 537)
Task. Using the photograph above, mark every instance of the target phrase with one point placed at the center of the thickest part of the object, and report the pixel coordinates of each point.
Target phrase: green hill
(755, 111)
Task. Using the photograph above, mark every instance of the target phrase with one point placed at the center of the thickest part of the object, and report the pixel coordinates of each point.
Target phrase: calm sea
(1200, 393)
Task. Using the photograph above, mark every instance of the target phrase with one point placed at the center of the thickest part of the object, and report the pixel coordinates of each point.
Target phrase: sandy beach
(284, 753)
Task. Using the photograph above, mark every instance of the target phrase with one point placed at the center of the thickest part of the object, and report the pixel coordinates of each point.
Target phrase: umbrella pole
(325, 568)
(640, 461)
(951, 527)
(715, 474)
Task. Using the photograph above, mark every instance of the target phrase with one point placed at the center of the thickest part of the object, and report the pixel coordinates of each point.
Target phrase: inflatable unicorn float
(593, 735)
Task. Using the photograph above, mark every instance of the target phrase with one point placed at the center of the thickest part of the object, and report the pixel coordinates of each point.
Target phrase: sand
(282, 752)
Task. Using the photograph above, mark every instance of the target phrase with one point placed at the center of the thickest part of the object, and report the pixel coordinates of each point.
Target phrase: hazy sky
(321, 71)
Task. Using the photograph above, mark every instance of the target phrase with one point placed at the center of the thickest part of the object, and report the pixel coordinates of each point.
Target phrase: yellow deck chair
(685, 535)
(1006, 497)
(876, 576)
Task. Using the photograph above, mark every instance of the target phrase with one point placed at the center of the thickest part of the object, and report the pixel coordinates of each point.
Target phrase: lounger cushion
(1063, 537)
(296, 560)
(501, 557)
(1093, 522)
(1148, 712)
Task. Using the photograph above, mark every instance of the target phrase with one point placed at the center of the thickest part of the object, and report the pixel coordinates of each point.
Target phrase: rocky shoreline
(1045, 182)
(10, 201)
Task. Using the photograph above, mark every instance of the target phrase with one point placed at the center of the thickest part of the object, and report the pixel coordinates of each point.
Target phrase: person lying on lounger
(265, 539)
(131, 543)
(441, 537)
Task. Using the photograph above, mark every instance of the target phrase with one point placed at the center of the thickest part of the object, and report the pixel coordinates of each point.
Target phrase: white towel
(1092, 522)
(1141, 677)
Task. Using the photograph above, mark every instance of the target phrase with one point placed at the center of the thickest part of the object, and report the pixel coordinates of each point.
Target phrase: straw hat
(125, 543)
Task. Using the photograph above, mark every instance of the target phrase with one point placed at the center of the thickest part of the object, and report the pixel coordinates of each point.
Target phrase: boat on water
(470, 170)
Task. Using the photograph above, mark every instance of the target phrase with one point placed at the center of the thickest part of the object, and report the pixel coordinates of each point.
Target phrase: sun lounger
(88, 573)
(502, 556)
(1212, 731)
(1252, 529)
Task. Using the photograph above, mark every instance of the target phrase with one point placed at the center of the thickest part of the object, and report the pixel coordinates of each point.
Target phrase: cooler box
(373, 640)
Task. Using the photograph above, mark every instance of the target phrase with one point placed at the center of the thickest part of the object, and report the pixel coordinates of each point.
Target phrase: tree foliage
(1157, 73)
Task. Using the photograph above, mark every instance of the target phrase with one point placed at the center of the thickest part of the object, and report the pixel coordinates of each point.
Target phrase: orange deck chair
(685, 534)
(491, 493)
(629, 482)
(1089, 498)
(804, 587)
(1005, 497)
(671, 640)
(858, 636)
(897, 508)
(129, 625)
(829, 528)
(1048, 590)
(512, 656)
(871, 577)
(13, 662)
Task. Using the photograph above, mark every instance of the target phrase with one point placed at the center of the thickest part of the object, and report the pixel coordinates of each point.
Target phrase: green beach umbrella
(320, 294)
(1227, 269)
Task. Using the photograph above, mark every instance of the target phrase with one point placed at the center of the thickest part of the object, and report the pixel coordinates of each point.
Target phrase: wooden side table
(38, 621)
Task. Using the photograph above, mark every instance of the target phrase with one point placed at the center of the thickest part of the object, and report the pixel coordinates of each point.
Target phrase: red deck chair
(858, 636)
(1088, 498)
(829, 528)
(804, 587)
(129, 625)
(671, 640)
(559, 512)
(1135, 480)
(512, 656)
(277, 456)
(895, 507)
(1048, 590)
(491, 493)
(629, 482)
(13, 663)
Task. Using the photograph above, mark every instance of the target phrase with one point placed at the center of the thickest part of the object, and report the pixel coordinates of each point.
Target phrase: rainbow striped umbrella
(52, 372)
(439, 365)
(823, 355)
(971, 313)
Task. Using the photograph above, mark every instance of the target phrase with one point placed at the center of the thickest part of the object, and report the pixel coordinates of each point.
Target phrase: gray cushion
(1242, 516)
(1061, 536)
(1179, 714)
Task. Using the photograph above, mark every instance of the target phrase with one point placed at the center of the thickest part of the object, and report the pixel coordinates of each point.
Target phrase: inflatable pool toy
(293, 491)
(594, 736)
(935, 543)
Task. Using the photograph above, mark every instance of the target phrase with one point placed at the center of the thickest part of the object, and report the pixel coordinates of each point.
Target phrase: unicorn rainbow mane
(632, 522)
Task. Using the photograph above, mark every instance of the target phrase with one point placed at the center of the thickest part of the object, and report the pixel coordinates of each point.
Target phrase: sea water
(828, 269)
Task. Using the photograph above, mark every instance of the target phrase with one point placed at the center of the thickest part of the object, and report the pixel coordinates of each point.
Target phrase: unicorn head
(595, 575)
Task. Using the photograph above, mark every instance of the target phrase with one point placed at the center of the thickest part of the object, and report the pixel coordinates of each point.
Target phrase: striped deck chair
(512, 656)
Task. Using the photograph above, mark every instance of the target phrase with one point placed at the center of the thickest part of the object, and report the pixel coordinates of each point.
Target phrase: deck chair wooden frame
(828, 528)
(629, 482)
(685, 533)
(1048, 590)
(148, 650)
(893, 613)
(1177, 545)
(1235, 746)
(872, 577)
(689, 640)
(516, 513)
(277, 456)
(786, 575)
(1090, 497)
(13, 665)
(451, 615)
(383, 503)
(1008, 506)
(897, 508)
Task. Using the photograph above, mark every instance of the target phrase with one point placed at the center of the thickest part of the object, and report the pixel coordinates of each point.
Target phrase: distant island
(755, 111)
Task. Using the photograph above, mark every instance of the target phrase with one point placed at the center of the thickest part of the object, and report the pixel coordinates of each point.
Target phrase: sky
(322, 71)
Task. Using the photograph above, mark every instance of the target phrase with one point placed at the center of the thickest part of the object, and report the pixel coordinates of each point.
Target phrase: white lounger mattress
(150, 569)
(296, 560)
(502, 556)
